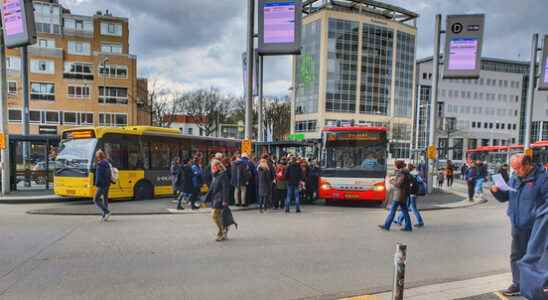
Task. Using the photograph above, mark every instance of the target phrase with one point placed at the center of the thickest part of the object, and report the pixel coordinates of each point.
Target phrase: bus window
(159, 155)
(115, 153)
(134, 157)
(146, 155)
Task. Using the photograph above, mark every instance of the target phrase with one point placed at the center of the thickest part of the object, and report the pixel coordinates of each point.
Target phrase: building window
(472, 143)
(78, 91)
(13, 63)
(42, 66)
(110, 119)
(305, 126)
(42, 91)
(79, 48)
(458, 149)
(12, 88)
(111, 48)
(113, 95)
(45, 43)
(76, 70)
(114, 71)
(86, 118)
(308, 66)
(342, 65)
(35, 116)
(15, 116)
(113, 29)
(189, 131)
(78, 25)
(52, 117)
(70, 118)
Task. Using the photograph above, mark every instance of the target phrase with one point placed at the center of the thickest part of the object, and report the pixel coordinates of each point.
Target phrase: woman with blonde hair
(264, 182)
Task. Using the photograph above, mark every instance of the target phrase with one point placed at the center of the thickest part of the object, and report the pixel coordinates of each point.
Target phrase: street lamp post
(104, 65)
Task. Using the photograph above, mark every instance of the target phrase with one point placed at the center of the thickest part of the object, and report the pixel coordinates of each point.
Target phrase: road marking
(501, 296)
(365, 297)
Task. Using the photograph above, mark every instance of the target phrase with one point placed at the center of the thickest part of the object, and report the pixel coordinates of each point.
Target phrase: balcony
(77, 33)
(78, 76)
(49, 52)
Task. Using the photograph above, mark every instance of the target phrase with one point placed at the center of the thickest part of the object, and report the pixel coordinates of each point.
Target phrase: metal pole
(417, 125)
(434, 99)
(250, 61)
(260, 126)
(531, 91)
(25, 112)
(4, 118)
(399, 271)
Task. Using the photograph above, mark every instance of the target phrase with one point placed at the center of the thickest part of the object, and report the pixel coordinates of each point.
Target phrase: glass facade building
(364, 70)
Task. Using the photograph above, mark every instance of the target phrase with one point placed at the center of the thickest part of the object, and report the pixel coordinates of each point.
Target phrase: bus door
(124, 153)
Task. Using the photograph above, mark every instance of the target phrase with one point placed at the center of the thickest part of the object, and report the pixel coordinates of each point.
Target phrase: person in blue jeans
(482, 177)
(412, 199)
(294, 177)
(400, 183)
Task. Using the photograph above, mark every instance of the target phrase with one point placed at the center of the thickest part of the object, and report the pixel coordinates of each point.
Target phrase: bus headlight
(379, 187)
(325, 186)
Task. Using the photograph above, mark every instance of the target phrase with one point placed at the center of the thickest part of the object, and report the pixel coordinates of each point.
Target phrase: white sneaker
(106, 217)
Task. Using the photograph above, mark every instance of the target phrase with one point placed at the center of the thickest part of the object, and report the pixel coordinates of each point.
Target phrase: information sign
(280, 27)
(246, 147)
(464, 39)
(543, 82)
(432, 153)
(18, 20)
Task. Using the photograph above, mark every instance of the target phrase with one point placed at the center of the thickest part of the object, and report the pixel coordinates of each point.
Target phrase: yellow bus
(142, 154)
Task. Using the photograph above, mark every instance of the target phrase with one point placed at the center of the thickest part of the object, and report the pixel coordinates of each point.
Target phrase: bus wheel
(143, 191)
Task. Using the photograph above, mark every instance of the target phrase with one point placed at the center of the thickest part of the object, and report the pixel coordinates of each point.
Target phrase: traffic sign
(432, 153)
(529, 152)
(2, 141)
(246, 147)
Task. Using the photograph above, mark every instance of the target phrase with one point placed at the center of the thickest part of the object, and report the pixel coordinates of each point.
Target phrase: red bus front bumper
(371, 195)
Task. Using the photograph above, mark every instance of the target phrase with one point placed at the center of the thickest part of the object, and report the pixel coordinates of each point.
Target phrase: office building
(80, 74)
(357, 64)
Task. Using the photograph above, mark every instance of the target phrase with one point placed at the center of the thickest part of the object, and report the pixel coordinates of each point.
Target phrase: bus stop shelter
(35, 170)
(306, 149)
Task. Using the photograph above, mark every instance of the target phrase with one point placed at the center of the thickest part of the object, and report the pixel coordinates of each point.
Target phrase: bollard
(399, 271)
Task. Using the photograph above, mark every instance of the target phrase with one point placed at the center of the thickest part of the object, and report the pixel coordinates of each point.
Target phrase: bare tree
(277, 116)
(207, 108)
(163, 106)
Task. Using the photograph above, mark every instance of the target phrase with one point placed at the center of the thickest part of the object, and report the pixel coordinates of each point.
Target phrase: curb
(114, 213)
(36, 200)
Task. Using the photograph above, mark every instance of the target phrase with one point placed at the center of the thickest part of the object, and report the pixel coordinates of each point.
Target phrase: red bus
(540, 152)
(353, 164)
(501, 154)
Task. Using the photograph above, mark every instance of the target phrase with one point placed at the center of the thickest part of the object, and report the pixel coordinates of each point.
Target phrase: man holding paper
(527, 190)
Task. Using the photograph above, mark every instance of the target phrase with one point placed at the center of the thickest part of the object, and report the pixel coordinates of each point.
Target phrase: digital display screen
(12, 16)
(463, 54)
(546, 70)
(279, 22)
(356, 136)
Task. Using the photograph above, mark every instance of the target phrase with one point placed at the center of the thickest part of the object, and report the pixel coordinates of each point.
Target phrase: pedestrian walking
(264, 184)
(312, 181)
(482, 177)
(463, 171)
(400, 186)
(471, 176)
(103, 179)
(187, 183)
(441, 178)
(176, 172)
(281, 184)
(529, 191)
(197, 181)
(412, 198)
(294, 177)
(449, 173)
(503, 171)
(218, 196)
(240, 177)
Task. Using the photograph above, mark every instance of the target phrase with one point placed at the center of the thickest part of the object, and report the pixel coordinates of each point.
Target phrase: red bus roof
(354, 128)
(495, 148)
(540, 144)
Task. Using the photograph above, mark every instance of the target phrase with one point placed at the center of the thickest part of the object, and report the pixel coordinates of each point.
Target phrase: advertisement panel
(543, 82)
(18, 23)
(280, 27)
(463, 45)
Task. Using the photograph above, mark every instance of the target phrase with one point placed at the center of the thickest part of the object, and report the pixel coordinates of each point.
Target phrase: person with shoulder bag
(400, 190)
(218, 197)
(103, 180)
(414, 191)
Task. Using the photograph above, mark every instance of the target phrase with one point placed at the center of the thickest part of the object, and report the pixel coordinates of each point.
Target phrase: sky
(188, 44)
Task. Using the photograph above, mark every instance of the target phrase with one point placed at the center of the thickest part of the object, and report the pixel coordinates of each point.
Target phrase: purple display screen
(279, 22)
(12, 15)
(463, 54)
(546, 70)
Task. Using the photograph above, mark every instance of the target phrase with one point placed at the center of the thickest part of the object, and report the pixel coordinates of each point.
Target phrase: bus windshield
(76, 154)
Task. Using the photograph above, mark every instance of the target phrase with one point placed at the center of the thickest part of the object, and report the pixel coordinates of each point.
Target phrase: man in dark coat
(529, 191)
(294, 177)
(239, 178)
(102, 183)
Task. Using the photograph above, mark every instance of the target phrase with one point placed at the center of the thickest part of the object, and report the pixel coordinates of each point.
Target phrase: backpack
(280, 174)
(422, 188)
(114, 174)
(414, 188)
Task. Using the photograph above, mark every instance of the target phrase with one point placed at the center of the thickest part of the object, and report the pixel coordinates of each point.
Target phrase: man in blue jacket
(102, 183)
(529, 191)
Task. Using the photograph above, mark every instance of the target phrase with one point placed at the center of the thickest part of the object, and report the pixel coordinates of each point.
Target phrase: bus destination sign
(355, 136)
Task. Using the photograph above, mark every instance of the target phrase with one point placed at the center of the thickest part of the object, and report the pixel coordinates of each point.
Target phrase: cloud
(198, 43)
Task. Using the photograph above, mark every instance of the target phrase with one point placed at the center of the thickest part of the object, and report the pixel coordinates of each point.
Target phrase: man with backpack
(240, 177)
(401, 185)
(417, 188)
(103, 179)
